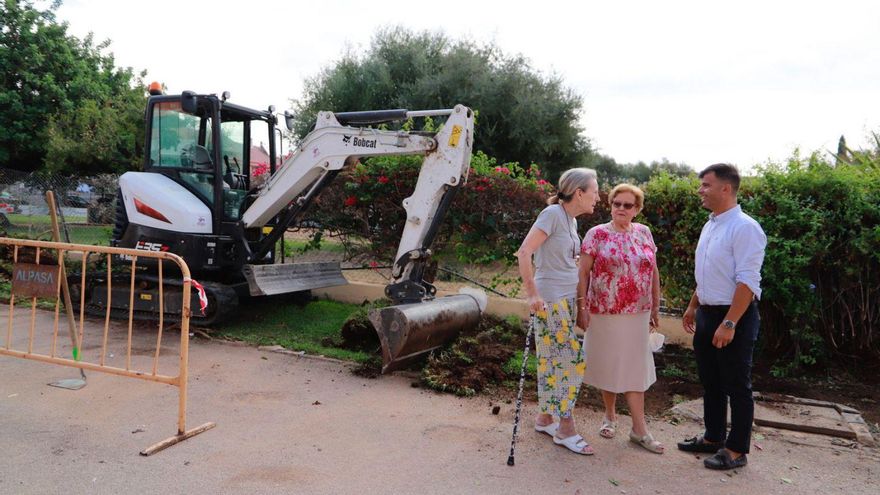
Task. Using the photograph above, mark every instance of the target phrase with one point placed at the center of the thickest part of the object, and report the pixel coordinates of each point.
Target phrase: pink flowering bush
(487, 220)
(259, 173)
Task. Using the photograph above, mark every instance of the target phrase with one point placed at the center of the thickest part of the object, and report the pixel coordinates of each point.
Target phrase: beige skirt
(618, 353)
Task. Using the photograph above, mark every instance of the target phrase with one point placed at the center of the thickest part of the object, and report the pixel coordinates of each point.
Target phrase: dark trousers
(727, 373)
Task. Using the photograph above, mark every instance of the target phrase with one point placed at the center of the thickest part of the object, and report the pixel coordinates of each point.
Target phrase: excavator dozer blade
(409, 330)
(282, 278)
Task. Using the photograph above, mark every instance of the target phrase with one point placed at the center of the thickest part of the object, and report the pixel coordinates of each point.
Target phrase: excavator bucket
(409, 330)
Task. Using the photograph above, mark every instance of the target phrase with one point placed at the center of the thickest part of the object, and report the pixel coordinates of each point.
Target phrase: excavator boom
(416, 323)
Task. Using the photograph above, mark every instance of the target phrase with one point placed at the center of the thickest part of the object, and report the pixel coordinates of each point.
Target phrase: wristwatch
(728, 324)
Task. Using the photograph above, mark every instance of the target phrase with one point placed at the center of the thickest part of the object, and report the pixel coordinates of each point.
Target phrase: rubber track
(222, 300)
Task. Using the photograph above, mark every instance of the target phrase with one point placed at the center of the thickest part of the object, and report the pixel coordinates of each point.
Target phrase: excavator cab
(205, 158)
(204, 144)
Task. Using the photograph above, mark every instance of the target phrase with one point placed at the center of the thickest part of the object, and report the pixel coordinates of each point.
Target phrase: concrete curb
(360, 293)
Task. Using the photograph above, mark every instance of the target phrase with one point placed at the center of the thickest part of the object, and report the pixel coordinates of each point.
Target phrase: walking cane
(522, 379)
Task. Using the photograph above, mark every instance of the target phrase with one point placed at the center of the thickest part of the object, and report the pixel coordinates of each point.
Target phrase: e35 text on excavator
(196, 198)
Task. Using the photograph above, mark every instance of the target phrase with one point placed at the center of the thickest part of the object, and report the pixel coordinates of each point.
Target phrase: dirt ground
(833, 385)
(289, 424)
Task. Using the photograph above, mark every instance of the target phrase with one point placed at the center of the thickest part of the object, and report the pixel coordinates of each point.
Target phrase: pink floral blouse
(623, 269)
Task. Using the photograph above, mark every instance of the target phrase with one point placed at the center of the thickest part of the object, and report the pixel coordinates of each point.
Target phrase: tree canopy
(64, 106)
(522, 115)
(611, 173)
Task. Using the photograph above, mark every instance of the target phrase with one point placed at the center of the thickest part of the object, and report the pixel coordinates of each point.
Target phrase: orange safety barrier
(39, 273)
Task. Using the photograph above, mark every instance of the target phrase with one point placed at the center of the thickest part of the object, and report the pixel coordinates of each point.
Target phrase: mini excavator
(196, 197)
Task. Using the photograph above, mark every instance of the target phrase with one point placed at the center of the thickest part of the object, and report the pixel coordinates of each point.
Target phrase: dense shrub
(821, 274)
(487, 221)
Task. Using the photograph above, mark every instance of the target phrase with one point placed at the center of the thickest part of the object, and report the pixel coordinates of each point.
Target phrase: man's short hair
(725, 172)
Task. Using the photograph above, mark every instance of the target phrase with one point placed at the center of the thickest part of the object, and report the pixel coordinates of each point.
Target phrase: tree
(522, 116)
(63, 103)
(612, 173)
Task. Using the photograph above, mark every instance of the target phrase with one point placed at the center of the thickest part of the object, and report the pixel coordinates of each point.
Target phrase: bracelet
(581, 298)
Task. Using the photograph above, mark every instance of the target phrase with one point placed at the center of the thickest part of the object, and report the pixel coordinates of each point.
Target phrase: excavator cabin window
(182, 143)
(235, 180)
(177, 139)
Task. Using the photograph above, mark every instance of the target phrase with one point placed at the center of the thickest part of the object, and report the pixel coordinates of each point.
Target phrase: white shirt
(730, 251)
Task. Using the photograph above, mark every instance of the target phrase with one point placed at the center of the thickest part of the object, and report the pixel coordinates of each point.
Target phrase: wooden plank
(68, 305)
(788, 399)
(806, 428)
(851, 417)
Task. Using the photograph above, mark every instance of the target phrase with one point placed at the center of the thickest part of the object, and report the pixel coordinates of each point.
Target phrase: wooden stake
(68, 306)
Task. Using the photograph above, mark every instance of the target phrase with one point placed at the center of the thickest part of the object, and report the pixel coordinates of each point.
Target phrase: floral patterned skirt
(560, 358)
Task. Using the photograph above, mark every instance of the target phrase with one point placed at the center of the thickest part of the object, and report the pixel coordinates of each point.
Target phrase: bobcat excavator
(196, 198)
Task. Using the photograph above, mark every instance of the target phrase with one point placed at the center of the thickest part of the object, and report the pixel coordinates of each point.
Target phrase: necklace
(576, 252)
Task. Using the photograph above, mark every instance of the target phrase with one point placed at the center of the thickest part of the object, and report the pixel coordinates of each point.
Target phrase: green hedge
(821, 274)
(487, 221)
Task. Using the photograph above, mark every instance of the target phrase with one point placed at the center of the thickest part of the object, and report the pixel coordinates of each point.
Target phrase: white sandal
(549, 429)
(608, 429)
(647, 442)
(574, 443)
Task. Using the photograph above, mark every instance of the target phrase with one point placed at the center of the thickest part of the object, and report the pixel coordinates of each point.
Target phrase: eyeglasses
(625, 206)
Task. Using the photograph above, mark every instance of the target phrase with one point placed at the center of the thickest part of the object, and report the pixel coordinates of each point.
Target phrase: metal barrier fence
(39, 274)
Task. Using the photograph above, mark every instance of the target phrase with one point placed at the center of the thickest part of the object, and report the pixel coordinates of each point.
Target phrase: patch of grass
(513, 366)
(27, 302)
(293, 247)
(39, 220)
(300, 328)
(673, 371)
(19, 219)
(93, 235)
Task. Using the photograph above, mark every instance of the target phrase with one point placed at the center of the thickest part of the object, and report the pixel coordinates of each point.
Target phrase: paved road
(287, 424)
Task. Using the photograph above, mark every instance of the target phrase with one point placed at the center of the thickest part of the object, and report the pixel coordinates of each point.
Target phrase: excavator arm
(332, 146)
(417, 322)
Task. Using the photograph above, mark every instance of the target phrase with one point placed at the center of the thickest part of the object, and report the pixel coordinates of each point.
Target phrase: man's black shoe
(722, 460)
(699, 444)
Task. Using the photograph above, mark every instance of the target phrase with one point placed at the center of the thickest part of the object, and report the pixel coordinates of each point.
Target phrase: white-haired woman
(551, 287)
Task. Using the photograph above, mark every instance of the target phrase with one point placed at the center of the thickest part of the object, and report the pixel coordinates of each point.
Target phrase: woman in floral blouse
(551, 287)
(619, 301)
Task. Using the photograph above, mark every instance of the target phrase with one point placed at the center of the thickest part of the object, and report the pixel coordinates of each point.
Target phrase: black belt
(722, 307)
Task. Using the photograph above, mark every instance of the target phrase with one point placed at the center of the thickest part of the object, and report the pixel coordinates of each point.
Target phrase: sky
(694, 82)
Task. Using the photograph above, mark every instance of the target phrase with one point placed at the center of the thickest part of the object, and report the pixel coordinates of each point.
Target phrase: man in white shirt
(723, 316)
